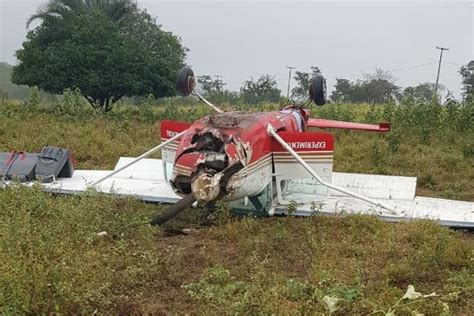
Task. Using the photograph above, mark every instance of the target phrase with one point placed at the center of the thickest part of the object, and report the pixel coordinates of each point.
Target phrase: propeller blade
(173, 210)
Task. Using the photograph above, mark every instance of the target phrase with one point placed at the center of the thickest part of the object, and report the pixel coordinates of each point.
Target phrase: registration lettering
(308, 145)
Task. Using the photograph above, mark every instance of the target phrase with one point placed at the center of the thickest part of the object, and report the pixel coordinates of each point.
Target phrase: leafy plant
(107, 49)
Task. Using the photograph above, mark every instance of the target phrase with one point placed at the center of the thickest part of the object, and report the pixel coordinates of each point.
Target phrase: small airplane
(236, 155)
(262, 163)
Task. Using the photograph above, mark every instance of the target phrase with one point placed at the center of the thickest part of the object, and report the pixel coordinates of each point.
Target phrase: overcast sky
(241, 39)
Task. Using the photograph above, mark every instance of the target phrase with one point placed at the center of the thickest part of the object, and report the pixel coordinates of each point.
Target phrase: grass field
(52, 258)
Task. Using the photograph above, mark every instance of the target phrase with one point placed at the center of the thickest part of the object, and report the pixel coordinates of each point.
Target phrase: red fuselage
(217, 154)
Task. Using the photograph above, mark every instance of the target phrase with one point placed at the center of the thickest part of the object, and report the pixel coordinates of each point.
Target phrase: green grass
(53, 259)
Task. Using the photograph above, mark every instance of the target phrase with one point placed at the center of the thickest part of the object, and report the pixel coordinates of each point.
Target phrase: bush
(71, 102)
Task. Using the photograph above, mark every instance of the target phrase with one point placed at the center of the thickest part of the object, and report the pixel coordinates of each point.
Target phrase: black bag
(5, 163)
(53, 162)
(18, 166)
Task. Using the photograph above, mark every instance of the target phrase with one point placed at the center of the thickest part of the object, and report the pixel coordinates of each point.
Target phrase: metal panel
(143, 181)
(146, 169)
(306, 189)
(316, 149)
(376, 186)
(446, 212)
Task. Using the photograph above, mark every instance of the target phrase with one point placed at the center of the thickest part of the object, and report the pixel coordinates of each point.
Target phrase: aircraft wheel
(317, 90)
(186, 81)
(173, 210)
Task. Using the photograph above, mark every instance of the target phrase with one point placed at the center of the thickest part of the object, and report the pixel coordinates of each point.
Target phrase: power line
(451, 63)
(412, 67)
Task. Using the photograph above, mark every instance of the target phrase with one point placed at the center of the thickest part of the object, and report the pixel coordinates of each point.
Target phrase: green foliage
(224, 97)
(467, 74)
(221, 214)
(53, 259)
(334, 261)
(373, 91)
(70, 102)
(424, 92)
(217, 287)
(107, 49)
(335, 112)
(342, 91)
(208, 85)
(263, 89)
(376, 88)
(34, 101)
(300, 91)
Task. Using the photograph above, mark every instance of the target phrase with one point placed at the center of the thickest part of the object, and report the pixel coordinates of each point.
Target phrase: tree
(300, 91)
(206, 83)
(378, 87)
(303, 79)
(214, 92)
(467, 74)
(380, 74)
(115, 10)
(424, 92)
(261, 90)
(223, 97)
(342, 91)
(380, 91)
(209, 85)
(106, 48)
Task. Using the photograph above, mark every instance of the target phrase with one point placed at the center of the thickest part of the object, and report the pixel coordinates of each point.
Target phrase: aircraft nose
(206, 187)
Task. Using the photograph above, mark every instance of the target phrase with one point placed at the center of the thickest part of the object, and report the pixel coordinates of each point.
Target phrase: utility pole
(289, 79)
(218, 82)
(439, 68)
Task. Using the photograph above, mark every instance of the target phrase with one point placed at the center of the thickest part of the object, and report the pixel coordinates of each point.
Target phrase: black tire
(186, 81)
(173, 210)
(317, 90)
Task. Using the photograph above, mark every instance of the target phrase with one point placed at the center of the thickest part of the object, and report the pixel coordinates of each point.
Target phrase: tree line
(112, 49)
(376, 88)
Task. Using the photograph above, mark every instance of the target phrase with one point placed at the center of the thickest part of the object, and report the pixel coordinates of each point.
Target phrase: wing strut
(215, 108)
(277, 137)
(144, 155)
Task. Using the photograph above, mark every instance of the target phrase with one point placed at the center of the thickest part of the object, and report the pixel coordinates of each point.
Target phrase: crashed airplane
(265, 163)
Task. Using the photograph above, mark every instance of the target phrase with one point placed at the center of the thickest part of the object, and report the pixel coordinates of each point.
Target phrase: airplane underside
(299, 196)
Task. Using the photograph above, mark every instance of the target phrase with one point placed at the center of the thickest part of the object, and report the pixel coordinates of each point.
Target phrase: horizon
(280, 34)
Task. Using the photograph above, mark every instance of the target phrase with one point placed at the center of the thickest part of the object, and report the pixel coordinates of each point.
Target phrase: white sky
(345, 39)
